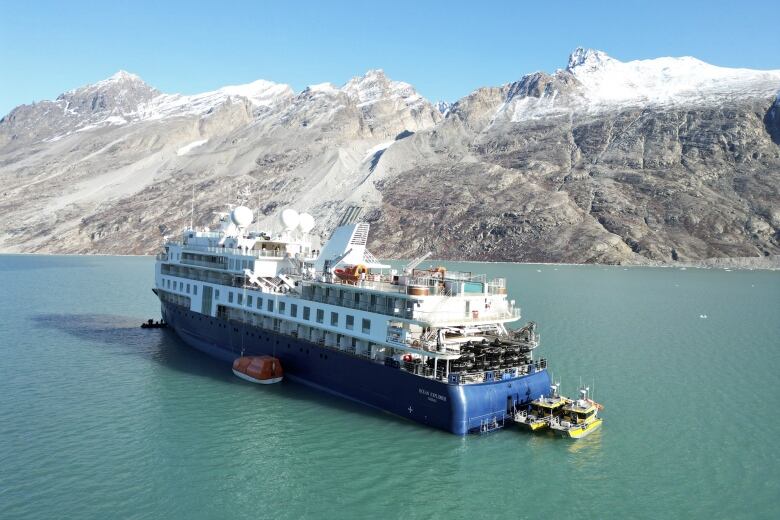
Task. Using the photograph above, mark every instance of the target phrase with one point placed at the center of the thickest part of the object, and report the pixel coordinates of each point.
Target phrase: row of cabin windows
(334, 317)
(180, 286)
(239, 297)
(342, 294)
(320, 316)
(239, 264)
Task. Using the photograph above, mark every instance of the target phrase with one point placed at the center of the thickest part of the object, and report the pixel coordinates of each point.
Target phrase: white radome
(290, 219)
(242, 216)
(305, 222)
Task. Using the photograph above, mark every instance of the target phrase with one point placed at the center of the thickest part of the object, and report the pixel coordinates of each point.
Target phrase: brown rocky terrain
(658, 161)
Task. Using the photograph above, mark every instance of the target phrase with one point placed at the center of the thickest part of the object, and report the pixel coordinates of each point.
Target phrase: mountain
(652, 161)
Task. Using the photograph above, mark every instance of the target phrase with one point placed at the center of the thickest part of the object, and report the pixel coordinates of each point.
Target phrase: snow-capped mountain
(593, 82)
(606, 82)
(654, 160)
(261, 94)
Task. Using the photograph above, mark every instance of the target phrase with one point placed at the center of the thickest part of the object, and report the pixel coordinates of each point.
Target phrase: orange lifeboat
(351, 274)
(258, 369)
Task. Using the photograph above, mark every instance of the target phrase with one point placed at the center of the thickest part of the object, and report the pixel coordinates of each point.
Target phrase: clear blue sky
(445, 49)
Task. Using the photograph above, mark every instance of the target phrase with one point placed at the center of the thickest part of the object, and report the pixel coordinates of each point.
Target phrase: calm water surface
(100, 419)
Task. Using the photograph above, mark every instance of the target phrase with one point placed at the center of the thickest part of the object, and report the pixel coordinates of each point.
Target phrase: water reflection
(590, 445)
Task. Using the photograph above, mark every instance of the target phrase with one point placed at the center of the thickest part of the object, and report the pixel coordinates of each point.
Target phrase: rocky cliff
(666, 160)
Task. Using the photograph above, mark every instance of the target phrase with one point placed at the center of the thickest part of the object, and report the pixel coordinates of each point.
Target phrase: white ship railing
(441, 317)
(203, 263)
(261, 253)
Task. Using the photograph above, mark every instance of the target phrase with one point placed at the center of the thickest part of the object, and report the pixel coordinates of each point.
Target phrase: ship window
(216, 294)
(194, 289)
(282, 307)
(259, 303)
(270, 306)
(188, 288)
(293, 310)
(240, 299)
(334, 319)
(320, 315)
(230, 296)
(350, 321)
(306, 313)
(366, 326)
(354, 342)
(373, 300)
(357, 298)
(249, 300)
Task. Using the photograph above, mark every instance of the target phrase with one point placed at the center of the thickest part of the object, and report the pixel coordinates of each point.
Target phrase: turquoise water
(101, 419)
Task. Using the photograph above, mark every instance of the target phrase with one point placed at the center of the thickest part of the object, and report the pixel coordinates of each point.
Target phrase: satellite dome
(305, 222)
(242, 216)
(290, 218)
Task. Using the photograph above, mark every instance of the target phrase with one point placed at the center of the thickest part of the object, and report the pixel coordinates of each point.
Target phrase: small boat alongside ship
(578, 418)
(566, 417)
(151, 324)
(541, 411)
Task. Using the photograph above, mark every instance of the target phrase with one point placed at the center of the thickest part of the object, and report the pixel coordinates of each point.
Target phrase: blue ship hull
(459, 409)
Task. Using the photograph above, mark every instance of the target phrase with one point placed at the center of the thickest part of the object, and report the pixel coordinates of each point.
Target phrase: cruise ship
(429, 344)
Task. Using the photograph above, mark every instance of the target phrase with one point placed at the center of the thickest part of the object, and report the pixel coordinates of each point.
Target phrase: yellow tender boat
(541, 411)
(578, 418)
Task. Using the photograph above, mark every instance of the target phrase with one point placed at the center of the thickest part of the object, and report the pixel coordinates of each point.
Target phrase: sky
(445, 49)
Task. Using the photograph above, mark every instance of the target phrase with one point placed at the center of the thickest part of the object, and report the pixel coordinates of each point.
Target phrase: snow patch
(323, 88)
(381, 147)
(110, 120)
(184, 150)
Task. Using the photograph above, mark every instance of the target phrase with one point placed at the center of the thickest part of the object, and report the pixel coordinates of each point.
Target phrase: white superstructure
(341, 297)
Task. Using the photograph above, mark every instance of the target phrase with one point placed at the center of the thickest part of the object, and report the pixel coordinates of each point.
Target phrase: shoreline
(771, 263)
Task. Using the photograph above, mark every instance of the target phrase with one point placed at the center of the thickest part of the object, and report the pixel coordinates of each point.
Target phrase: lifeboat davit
(258, 369)
(351, 274)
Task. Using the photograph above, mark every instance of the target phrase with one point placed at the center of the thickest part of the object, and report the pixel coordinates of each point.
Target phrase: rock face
(666, 160)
